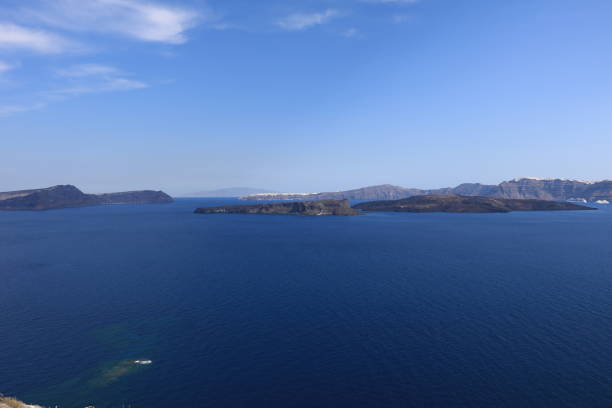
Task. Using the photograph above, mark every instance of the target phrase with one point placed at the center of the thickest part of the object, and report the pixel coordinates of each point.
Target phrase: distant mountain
(382, 192)
(453, 203)
(229, 192)
(69, 196)
(522, 188)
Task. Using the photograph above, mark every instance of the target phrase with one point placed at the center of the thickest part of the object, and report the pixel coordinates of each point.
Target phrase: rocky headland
(7, 402)
(65, 196)
(453, 203)
(307, 208)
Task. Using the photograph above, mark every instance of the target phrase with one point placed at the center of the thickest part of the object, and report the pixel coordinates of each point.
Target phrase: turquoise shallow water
(380, 310)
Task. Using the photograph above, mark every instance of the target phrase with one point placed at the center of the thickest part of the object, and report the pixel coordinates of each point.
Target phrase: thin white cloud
(350, 33)
(14, 37)
(9, 110)
(46, 27)
(5, 67)
(106, 85)
(401, 18)
(137, 19)
(303, 21)
(82, 80)
(95, 78)
(87, 70)
(391, 1)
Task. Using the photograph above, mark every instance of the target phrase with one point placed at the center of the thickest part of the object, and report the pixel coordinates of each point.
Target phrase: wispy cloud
(42, 28)
(391, 1)
(14, 37)
(401, 18)
(5, 67)
(106, 85)
(350, 33)
(136, 19)
(303, 21)
(96, 78)
(77, 80)
(86, 70)
(8, 110)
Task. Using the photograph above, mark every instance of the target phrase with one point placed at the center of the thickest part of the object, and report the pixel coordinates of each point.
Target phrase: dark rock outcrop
(69, 196)
(310, 208)
(453, 203)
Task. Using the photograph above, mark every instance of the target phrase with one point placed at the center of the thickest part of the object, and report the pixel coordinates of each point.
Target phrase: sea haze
(379, 310)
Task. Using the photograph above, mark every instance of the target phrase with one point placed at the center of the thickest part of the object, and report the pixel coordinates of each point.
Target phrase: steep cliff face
(541, 189)
(555, 189)
(525, 188)
(599, 191)
(310, 208)
(69, 196)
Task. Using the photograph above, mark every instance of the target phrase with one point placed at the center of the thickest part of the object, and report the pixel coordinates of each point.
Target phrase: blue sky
(302, 95)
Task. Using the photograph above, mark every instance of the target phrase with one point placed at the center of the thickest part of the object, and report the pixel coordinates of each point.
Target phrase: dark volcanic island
(310, 208)
(69, 196)
(449, 203)
(452, 203)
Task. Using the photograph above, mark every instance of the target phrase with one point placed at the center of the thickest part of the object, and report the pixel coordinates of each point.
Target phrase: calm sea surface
(381, 310)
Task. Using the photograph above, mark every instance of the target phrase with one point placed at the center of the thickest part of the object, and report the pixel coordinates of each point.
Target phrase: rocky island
(308, 208)
(64, 196)
(453, 203)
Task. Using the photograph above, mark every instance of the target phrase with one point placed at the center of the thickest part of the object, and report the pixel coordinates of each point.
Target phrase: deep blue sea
(380, 310)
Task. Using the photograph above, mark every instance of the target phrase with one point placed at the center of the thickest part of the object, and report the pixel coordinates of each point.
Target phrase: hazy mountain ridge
(522, 188)
(64, 196)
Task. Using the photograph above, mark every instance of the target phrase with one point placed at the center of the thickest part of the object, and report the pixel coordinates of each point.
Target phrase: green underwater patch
(109, 373)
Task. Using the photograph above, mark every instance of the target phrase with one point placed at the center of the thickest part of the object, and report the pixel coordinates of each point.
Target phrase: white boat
(602, 202)
(143, 362)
